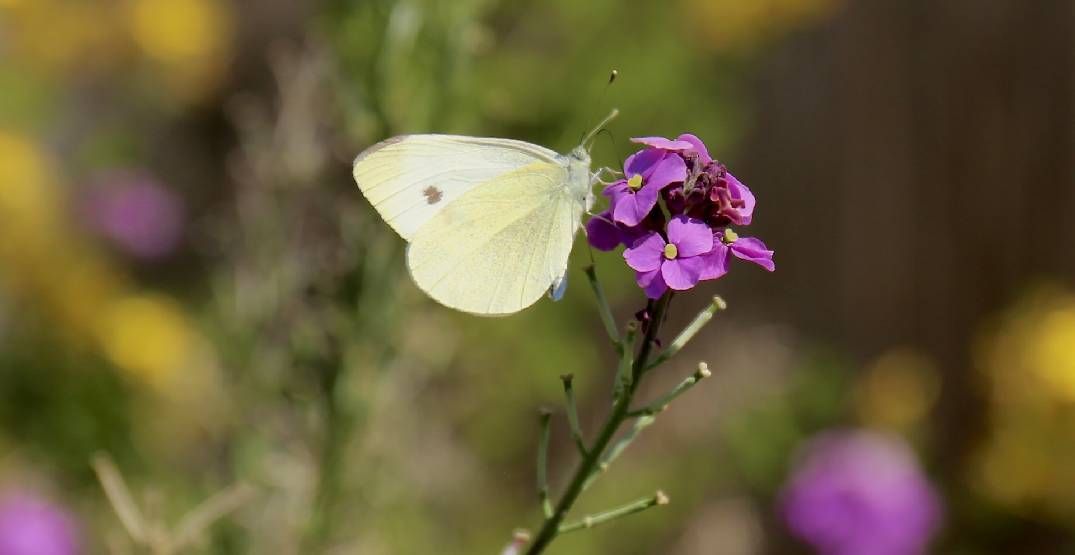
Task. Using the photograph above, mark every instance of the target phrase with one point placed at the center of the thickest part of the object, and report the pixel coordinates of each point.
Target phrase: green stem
(618, 448)
(551, 527)
(543, 462)
(589, 521)
(624, 373)
(688, 333)
(661, 404)
(573, 413)
(602, 306)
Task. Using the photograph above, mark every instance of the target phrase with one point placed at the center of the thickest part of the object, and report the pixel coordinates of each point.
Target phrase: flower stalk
(573, 413)
(603, 307)
(661, 404)
(543, 463)
(692, 329)
(551, 527)
(624, 373)
(589, 521)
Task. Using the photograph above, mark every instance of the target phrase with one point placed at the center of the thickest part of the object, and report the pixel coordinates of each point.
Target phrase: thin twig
(119, 496)
(662, 403)
(688, 333)
(543, 462)
(573, 413)
(589, 521)
(194, 523)
(602, 305)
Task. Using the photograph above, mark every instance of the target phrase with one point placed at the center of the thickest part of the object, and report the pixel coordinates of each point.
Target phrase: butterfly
(489, 222)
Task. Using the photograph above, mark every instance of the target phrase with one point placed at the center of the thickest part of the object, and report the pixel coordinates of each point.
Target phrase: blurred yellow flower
(726, 24)
(1053, 349)
(63, 35)
(188, 38)
(897, 390)
(177, 31)
(28, 199)
(147, 335)
(1029, 361)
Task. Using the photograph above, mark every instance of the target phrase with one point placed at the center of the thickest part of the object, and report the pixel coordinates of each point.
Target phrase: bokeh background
(191, 284)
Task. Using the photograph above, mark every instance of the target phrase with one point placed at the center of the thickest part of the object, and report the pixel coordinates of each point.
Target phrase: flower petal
(652, 283)
(602, 232)
(690, 236)
(633, 207)
(682, 273)
(616, 189)
(663, 143)
(753, 250)
(642, 162)
(646, 253)
(716, 261)
(697, 146)
(670, 169)
(740, 192)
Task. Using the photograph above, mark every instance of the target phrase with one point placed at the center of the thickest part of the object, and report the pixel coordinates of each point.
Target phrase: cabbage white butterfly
(489, 222)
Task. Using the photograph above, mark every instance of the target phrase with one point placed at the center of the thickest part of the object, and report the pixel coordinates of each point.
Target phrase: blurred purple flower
(137, 214)
(30, 525)
(860, 493)
(674, 181)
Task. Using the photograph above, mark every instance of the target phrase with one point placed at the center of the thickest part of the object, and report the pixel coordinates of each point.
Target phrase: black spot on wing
(433, 195)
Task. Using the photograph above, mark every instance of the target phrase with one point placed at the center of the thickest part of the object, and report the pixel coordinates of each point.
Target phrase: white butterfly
(489, 222)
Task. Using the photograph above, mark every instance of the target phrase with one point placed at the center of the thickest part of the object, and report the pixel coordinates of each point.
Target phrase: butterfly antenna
(597, 129)
(611, 78)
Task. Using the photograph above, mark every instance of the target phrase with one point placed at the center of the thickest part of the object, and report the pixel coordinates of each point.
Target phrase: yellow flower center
(730, 236)
(635, 182)
(670, 251)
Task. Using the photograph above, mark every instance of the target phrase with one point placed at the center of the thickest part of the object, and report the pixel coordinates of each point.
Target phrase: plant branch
(589, 521)
(688, 333)
(543, 462)
(662, 403)
(573, 413)
(551, 527)
(602, 306)
(618, 448)
(625, 371)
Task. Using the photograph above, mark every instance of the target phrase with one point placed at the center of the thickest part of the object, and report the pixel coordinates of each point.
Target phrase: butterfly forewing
(409, 179)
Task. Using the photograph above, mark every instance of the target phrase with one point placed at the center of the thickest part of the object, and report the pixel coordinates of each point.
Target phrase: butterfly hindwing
(497, 248)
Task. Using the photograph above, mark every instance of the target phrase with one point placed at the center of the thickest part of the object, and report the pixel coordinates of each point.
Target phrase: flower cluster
(674, 209)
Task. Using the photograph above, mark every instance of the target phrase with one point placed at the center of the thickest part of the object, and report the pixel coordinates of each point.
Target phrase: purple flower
(673, 210)
(675, 264)
(135, 213)
(733, 200)
(727, 243)
(646, 173)
(686, 144)
(30, 525)
(860, 493)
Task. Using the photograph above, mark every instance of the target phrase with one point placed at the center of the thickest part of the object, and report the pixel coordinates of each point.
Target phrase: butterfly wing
(497, 248)
(409, 179)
